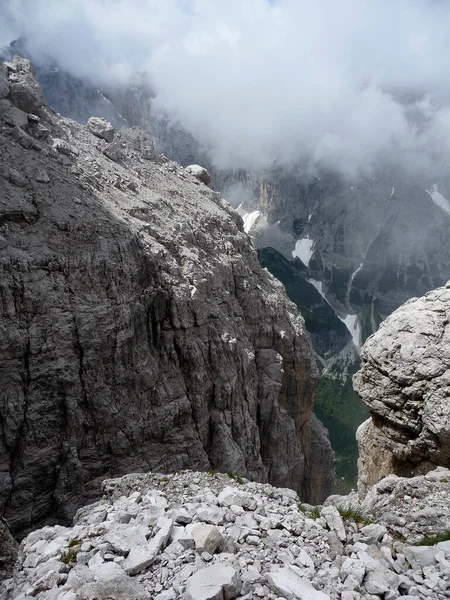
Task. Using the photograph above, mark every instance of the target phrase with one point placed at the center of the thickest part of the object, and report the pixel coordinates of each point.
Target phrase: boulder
(199, 173)
(207, 538)
(25, 92)
(101, 128)
(11, 115)
(216, 582)
(334, 521)
(404, 380)
(4, 84)
(290, 585)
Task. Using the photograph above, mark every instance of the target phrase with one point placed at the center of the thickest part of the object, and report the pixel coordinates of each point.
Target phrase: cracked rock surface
(140, 542)
(405, 381)
(137, 329)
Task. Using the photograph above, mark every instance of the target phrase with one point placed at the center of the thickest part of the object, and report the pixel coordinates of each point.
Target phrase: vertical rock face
(8, 551)
(137, 329)
(405, 382)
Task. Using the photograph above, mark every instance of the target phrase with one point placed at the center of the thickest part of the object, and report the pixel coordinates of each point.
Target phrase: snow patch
(319, 287)
(304, 250)
(439, 199)
(250, 219)
(353, 325)
(393, 191)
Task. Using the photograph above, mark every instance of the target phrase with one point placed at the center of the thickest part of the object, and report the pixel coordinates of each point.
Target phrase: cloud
(348, 85)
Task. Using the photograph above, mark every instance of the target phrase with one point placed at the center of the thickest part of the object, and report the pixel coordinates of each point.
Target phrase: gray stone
(207, 538)
(101, 128)
(24, 139)
(181, 516)
(42, 176)
(290, 585)
(25, 92)
(13, 176)
(216, 582)
(141, 557)
(4, 85)
(373, 533)
(65, 148)
(11, 115)
(420, 556)
(407, 358)
(199, 173)
(334, 521)
(114, 152)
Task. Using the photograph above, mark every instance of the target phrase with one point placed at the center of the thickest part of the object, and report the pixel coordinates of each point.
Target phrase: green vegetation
(341, 411)
(312, 514)
(70, 555)
(431, 539)
(355, 514)
(236, 478)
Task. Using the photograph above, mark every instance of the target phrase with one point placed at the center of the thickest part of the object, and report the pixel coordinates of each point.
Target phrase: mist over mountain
(350, 86)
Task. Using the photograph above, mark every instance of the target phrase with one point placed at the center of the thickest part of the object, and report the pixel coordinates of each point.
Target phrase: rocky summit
(207, 536)
(137, 330)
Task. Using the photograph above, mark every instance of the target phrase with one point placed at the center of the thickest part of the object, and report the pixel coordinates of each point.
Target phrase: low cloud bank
(348, 85)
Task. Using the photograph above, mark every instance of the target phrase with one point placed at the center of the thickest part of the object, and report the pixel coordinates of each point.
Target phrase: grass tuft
(431, 539)
(236, 478)
(354, 513)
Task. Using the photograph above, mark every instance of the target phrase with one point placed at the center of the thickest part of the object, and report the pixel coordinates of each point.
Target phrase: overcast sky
(344, 83)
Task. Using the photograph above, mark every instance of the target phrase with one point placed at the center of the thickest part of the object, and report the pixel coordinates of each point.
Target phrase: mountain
(138, 330)
(348, 250)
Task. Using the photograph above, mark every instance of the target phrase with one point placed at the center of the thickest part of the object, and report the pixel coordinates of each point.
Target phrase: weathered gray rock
(42, 176)
(334, 521)
(101, 128)
(404, 378)
(107, 558)
(8, 551)
(199, 173)
(25, 93)
(13, 176)
(25, 140)
(217, 582)
(291, 586)
(138, 331)
(11, 115)
(140, 557)
(410, 506)
(4, 84)
(207, 538)
(114, 152)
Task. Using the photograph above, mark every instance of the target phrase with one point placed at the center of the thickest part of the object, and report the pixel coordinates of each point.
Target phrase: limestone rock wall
(405, 381)
(137, 329)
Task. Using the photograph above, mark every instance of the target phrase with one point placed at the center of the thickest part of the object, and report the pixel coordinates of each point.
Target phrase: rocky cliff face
(137, 329)
(404, 380)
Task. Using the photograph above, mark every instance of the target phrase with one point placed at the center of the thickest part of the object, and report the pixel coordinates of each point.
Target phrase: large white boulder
(217, 582)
